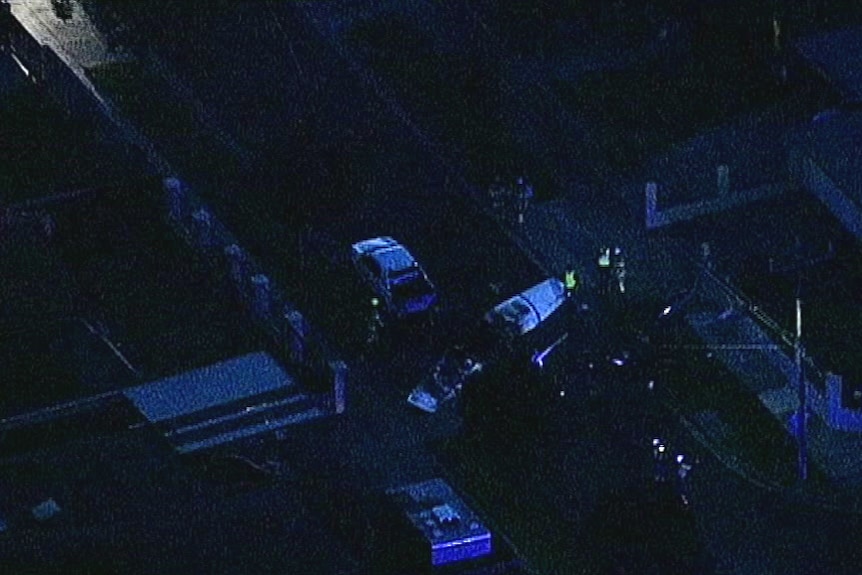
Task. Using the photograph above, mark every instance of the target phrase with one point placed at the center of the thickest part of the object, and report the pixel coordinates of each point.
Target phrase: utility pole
(797, 266)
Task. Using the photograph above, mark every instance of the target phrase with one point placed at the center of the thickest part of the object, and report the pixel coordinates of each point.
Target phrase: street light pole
(801, 428)
(801, 415)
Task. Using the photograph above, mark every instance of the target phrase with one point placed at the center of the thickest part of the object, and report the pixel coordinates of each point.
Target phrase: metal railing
(710, 283)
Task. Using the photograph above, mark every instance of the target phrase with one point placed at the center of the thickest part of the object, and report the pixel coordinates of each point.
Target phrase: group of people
(611, 267)
(672, 471)
(514, 198)
(612, 270)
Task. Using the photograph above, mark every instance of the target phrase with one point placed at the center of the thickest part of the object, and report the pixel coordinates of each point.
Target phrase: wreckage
(512, 318)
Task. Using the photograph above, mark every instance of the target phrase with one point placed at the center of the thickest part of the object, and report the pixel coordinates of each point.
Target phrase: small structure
(658, 216)
(447, 530)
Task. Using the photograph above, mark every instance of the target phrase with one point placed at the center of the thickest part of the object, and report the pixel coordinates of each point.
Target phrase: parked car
(394, 275)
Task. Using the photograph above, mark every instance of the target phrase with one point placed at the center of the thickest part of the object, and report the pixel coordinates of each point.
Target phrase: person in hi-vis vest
(571, 281)
(604, 269)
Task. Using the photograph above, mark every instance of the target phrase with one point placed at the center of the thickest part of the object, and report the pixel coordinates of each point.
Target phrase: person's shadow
(63, 9)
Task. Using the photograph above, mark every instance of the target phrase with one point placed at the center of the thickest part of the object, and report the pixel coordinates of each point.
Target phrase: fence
(805, 171)
(824, 389)
(299, 343)
(657, 216)
(723, 292)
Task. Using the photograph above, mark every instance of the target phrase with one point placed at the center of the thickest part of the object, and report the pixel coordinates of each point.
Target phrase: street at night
(200, 380)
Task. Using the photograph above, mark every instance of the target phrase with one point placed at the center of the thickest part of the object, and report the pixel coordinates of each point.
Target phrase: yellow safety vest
(571, 280)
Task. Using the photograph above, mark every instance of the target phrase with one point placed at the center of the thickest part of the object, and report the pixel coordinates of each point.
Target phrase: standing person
(778, 48)
(661, 461)
(683, 468)
(49, 226)
(523, 197)
(706, 256)
(571, 281)
(496, 191)
(375, 325)
(604, 269)
(618, 263)
(777, 43)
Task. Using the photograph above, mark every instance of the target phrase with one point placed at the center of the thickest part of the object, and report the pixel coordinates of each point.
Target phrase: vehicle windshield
(516, 311)
(410, 287)
(404, 274)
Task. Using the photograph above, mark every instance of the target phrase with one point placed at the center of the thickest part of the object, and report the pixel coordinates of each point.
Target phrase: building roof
(209, 386)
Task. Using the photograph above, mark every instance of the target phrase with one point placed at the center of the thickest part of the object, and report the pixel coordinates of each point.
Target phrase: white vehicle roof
(423, 399)
(529, 308)
(391, 255)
